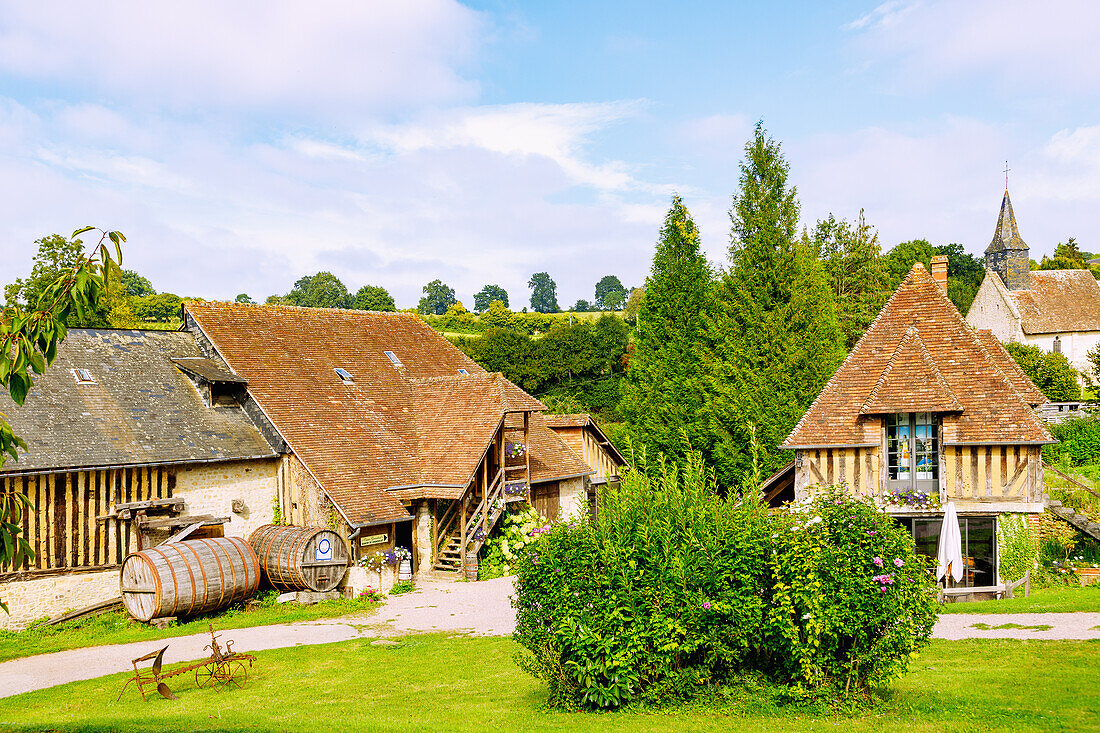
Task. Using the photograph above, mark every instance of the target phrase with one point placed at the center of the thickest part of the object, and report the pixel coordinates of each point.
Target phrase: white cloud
(1020, 46)
(339, 55)
(557, 132)
(474, 196)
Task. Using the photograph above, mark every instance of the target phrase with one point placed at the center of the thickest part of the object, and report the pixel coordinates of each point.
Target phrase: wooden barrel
(300, 558)
(188, 577)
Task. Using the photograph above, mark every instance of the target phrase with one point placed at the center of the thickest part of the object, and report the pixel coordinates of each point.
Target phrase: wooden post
(527, 449)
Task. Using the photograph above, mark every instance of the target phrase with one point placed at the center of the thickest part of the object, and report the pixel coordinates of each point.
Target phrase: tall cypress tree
(664, 392)
(775, 339)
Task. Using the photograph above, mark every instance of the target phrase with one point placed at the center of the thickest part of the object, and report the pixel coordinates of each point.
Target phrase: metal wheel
(237, 674)
(204, 674)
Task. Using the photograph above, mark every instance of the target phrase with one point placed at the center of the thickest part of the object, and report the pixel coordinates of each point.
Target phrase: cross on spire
(1007, 169)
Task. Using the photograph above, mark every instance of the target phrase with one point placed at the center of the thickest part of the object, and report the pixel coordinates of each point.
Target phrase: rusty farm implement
(224, 668)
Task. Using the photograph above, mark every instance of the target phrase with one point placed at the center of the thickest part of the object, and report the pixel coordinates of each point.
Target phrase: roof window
(463, 372)
(83, 376)
(345, 375)
(393, 358)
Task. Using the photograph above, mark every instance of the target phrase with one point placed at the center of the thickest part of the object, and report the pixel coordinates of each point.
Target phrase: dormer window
(82, 376)
(393, 359)
(345, 376)
(912, 451)
(463, 372)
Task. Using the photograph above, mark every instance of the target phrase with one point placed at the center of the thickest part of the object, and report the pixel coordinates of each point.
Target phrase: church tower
(1007, 255)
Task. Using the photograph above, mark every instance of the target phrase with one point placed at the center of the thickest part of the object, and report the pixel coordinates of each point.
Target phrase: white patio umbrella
(949, 556)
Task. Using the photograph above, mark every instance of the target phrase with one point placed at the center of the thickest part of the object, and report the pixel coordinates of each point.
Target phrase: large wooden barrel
(188, 577)
(300, 558)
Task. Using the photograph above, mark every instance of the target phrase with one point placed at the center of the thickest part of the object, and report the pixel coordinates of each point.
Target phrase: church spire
(1006, 235)
(1007, 254)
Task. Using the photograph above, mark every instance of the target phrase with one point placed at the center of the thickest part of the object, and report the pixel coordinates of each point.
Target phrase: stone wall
(51, 595)
(991, 311)
(211, 489)
(358, 579)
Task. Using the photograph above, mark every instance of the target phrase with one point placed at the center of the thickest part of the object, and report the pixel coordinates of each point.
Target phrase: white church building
(1056, 310)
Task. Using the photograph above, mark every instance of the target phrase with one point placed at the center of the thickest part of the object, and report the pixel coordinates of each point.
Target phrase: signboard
(324, 549)
(374, 539)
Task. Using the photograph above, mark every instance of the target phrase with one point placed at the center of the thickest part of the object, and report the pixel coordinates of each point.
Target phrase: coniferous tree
(775, 340)
(858, 277)
(664, 395)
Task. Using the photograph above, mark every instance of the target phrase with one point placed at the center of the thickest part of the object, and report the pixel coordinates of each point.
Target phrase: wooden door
(545, 497)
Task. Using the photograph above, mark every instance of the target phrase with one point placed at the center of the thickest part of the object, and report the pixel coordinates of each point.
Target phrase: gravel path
(480, 609)
(436, 605)
(1062, 626)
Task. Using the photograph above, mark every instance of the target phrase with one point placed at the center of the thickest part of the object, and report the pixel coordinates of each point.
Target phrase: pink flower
(706, 605)
(882, 589)
(898, 562)
(877, 561)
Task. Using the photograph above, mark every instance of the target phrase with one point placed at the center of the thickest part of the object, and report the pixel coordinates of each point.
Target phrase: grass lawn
(117, 627)
(432, 683)
(1060, 599)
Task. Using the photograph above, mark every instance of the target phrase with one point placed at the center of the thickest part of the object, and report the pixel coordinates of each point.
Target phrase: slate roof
(920, 334)
(1058, 301)
(140, 409)
(1006, 236)
(393, 428)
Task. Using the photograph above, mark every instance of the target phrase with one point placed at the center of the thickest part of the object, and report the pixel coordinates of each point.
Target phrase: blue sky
(240, 146)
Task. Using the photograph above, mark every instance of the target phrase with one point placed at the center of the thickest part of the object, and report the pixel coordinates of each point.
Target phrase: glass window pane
(926, 536)
(899, 458)
(979, 550)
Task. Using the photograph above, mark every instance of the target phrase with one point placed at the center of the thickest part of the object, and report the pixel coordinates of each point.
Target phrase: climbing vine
(1016, 545)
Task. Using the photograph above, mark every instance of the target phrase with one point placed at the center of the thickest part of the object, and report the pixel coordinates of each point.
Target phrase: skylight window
(393, 358)
(463, 372)
(83, 376)
(345, 375)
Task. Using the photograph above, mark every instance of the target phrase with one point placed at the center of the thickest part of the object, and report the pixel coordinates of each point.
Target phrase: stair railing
(486, 513)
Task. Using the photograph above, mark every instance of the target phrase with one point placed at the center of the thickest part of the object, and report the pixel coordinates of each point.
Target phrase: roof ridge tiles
(291, 306)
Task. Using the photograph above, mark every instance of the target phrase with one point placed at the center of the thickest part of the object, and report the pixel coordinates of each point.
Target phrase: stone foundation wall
(358, 579)
(211, 489)
(51, 595)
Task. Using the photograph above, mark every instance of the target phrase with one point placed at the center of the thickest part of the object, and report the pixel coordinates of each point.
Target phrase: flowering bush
(677, 589)
(917, 499)
(519, 530)
(851, 600)
(370, 594)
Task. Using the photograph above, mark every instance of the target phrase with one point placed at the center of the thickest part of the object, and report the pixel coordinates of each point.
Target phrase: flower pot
(405, 570)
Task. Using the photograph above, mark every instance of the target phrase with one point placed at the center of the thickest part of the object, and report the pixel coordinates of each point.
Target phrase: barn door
(545, 497)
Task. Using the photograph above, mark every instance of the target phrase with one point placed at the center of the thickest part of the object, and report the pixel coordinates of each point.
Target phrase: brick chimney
(939, 271)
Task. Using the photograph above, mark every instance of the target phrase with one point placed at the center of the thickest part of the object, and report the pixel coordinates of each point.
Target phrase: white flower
(806, 616)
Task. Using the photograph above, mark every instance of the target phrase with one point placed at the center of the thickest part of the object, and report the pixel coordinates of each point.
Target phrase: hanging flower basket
(514, 450)
(516, 488)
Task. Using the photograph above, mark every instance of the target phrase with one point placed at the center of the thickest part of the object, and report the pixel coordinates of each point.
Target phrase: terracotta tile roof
(911, 382)
(420, 423)
(1058, 301)
(584, 420)
(992, 410)
(1010, 369)
(139, 408)
(550, 456)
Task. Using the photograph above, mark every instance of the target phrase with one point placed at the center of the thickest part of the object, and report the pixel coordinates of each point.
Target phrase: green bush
(1079, 441)
(676, 590)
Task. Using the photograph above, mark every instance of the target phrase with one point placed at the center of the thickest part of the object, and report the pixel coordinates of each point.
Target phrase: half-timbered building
(927, 410)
